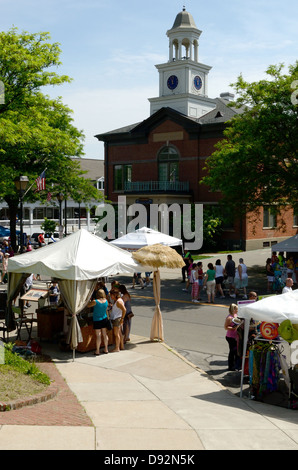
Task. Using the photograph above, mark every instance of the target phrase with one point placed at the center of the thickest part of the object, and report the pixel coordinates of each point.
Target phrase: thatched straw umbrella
(157, 256)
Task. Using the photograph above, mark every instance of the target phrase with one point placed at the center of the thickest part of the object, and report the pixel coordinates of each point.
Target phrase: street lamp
(21, 184)
(60, 198)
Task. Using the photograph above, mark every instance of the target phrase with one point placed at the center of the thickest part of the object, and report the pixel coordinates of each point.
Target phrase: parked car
(5, 233)
(48, 238)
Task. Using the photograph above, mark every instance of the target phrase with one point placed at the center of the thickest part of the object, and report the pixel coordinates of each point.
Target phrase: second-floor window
(168, 164)
(122, 175)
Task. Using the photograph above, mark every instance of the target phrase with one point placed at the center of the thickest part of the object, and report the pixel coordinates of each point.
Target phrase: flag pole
(34, 182)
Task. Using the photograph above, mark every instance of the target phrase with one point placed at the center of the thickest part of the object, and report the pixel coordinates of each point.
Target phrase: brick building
(162, 159)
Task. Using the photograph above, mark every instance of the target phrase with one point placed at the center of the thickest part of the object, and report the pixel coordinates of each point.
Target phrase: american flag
(49, 196)
(41, 181)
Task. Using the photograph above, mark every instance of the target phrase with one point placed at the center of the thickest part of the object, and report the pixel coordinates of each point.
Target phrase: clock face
(198, 82)
(172, 82)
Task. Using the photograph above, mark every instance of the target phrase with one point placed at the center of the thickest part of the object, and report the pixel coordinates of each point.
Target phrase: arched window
(168, 164)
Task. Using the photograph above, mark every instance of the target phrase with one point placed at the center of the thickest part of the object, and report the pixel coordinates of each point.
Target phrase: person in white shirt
(219, 277)
(241, 278)
(288, 286)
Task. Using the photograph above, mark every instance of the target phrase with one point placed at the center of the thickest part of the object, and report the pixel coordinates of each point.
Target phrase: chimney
(227, 96)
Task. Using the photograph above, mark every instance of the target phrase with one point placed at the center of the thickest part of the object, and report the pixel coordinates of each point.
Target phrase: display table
(89, 339)
(49, 322)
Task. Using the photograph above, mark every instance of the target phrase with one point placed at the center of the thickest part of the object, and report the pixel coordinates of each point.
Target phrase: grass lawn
(19, 377)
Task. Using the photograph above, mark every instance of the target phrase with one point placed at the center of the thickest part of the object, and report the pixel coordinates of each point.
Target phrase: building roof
(222, 113)
(184, 20)
(93, 167)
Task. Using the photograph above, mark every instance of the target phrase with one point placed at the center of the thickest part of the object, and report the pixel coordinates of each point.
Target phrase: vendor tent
(76, 262)
(81, 256)
(290, 245)
(143, 237)
(273, 309)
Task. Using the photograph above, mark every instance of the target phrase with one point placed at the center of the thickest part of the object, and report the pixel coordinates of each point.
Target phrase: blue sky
(110, 49)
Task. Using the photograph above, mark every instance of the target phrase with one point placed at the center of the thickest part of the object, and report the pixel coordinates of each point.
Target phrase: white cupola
(183, 80)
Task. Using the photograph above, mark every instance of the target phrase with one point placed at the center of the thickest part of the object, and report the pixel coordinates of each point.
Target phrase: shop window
(40, 213)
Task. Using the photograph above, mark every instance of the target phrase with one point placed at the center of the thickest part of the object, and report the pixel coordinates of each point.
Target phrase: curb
(50, 392)
(27, 401)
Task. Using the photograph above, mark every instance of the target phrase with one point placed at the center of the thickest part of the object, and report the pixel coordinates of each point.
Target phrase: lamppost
(21, 184)
(65, 217)
(60, 198)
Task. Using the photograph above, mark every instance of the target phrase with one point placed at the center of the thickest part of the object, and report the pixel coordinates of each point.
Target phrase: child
(54, 294)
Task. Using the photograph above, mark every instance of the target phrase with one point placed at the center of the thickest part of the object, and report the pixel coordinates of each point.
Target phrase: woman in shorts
(117, 316)
(100, 320)
(210, 283)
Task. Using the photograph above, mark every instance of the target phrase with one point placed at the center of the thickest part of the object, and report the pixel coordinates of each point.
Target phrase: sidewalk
(146, 398)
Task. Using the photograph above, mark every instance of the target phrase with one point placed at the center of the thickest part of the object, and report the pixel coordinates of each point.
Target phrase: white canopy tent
(273, 309)
(290, 245)
(143, 237)
(76, 262)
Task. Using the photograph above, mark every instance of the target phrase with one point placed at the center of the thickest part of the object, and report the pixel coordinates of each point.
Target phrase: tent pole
(246, 330)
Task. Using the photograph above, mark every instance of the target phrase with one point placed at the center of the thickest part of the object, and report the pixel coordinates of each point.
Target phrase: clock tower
(183, 80)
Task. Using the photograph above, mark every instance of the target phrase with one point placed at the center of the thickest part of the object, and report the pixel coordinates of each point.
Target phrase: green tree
(36, 131)
(256, 162)
(48, 226)
(212, 227)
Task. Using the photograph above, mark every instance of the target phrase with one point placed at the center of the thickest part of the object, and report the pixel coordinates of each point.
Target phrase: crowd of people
(6, 251)
(234, 326)
(217, 278)
(111, 311)
(214, 278)
(282, 273)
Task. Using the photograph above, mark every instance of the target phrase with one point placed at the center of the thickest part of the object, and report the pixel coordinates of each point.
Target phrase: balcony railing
(156, 186)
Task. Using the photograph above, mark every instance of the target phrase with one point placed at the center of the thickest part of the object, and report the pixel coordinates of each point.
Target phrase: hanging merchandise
(269, 330)
(264, 369)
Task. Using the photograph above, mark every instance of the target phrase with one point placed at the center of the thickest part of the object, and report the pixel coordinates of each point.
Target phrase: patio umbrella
(158, 256)
(145, 236)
